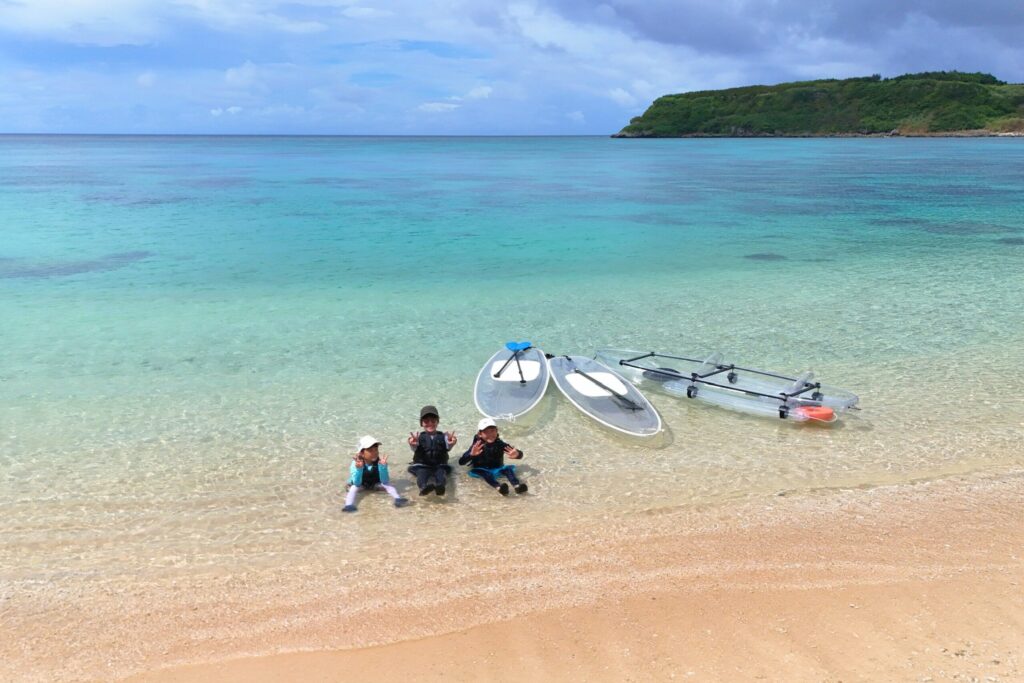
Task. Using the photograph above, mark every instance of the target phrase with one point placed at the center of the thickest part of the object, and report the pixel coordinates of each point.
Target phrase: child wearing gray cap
(430, 453)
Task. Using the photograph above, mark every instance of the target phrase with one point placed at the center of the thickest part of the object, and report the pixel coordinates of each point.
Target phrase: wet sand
(913, 582)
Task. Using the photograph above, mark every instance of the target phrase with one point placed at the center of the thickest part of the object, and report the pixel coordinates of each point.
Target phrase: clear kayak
(604, 395)
(730, 386)
(512, 382)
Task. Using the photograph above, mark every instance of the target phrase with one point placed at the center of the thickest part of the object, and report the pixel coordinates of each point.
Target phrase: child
(430, 453)
(369, 472)
(487, 458)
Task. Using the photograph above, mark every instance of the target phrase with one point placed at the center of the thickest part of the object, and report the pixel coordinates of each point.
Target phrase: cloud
(479, 93)
(622, 97)
(438, 107)
(90, 22)
(356, 66)
(231, 111)
(366, 13)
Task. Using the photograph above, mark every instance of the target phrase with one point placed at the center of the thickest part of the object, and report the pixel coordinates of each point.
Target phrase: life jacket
(493, 455)
(432, 449)
(371, 475)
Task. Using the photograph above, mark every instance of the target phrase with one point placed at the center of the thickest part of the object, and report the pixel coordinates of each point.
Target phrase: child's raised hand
(383, 458)
(414, 438)
(477, 448)
(513, 452)
(452, 439)
(359, 462)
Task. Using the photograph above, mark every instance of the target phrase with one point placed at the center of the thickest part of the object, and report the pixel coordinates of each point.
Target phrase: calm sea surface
(195, 331)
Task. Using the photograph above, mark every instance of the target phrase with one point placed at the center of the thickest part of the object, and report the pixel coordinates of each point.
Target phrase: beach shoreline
(910, 582)
(900, 582)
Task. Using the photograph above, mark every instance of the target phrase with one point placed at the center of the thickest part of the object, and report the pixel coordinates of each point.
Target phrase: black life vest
(432, 449)
(492, 456)
(371, 475)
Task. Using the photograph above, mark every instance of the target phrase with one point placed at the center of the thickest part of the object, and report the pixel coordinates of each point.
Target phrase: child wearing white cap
(486, 458)
(369, 472)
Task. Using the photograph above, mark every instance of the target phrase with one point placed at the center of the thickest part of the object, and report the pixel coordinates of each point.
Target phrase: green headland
(932, 103)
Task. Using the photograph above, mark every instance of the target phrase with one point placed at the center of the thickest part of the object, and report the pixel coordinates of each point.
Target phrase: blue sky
(454, 67)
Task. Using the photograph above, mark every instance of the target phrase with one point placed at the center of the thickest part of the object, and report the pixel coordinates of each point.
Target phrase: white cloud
(479, 93)
(438, 107)
(622, 97)
(292, 26)
(84, 22)
(231, 111)
(242, 76)
(366, 13)
(357, 66)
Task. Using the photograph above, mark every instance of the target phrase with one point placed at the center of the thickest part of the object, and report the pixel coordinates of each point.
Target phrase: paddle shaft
(514, 357)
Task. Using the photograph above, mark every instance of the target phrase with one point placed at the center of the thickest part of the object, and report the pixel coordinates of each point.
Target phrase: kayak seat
(710, 363)
(800, 382)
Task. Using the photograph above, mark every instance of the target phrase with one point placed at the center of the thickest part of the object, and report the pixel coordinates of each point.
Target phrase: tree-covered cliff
(936, 103)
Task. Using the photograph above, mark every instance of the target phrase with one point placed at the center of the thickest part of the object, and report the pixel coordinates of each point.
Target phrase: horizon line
(319, 135)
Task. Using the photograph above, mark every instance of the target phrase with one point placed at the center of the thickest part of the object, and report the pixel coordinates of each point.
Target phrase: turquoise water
(195, 331)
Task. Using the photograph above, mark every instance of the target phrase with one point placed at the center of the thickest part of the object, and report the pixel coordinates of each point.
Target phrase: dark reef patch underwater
(15, 268)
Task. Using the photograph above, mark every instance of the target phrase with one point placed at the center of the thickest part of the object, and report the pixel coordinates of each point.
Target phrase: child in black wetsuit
(486, 458)
(430, 453)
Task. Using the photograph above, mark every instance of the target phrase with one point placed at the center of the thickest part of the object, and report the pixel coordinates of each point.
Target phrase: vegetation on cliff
(932, 103)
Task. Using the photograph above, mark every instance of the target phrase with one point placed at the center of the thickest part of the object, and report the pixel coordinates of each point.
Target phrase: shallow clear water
(195, 331)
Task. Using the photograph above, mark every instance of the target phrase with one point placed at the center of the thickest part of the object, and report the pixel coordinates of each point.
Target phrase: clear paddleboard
(512, 382)
(604, 395)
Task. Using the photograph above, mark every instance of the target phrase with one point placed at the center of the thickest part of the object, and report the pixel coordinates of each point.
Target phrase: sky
(453, 67)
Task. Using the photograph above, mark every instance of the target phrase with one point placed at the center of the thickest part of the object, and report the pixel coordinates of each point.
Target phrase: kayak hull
(747, 391)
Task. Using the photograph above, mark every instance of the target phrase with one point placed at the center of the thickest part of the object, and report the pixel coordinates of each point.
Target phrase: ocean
(196, 331)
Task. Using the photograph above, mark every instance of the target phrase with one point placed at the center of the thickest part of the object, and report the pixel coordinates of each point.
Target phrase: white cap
(367, 442)
(485, 423)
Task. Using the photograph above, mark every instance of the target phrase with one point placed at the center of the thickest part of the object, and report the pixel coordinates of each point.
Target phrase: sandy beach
(914, 582)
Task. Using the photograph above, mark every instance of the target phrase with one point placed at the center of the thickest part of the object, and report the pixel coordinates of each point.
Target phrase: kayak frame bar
(696, 378)
(652, 354)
